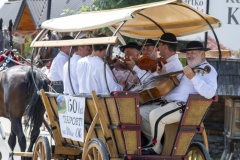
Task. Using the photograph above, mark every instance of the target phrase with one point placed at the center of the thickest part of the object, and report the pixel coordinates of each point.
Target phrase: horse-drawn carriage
(109, 127)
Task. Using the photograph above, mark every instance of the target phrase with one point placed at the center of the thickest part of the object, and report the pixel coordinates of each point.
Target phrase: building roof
(37, 10)
(9, 11)
(28, 15)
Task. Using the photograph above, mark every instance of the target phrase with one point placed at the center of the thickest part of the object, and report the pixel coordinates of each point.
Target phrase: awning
(142, 21)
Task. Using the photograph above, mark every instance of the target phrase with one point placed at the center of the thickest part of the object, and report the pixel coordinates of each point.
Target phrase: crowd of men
(87, 72)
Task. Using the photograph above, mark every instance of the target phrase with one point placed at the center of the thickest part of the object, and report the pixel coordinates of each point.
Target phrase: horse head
(46, 54)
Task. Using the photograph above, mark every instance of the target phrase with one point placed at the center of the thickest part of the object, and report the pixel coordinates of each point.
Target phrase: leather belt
(56, 83)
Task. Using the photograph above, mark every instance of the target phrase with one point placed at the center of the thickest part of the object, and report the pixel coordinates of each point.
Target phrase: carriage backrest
(190, 124)
(121, 114)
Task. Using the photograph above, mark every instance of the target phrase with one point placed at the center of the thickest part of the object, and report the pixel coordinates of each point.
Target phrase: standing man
(169, 109)
(55, 74)
(81, 51)
(92, 73)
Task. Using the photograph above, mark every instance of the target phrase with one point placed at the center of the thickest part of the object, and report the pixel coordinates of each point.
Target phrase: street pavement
(4, 148)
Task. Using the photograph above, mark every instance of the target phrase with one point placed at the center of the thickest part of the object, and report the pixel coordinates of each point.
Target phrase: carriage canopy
(142, 21)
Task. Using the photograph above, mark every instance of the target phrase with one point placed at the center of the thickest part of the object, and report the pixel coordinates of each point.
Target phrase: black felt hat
(194, 45)
(150, 42)
(130, 45)
(168, 38)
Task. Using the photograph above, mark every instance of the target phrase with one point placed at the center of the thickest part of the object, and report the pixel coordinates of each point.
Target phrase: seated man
(167, 46)
(55, 74)
(90, 73)
(151, 49)
(131, 49)
(81, 51)
(169, 110)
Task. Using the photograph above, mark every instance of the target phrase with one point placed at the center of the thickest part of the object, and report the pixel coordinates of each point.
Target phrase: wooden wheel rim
(42, 149)
(94, 152)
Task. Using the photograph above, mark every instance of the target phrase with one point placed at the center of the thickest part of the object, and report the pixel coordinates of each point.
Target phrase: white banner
(200, 5)
(228, 12)
(71, 117)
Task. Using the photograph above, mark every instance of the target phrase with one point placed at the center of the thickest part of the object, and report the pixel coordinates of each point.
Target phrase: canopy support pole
(215, 36)
(108, 54)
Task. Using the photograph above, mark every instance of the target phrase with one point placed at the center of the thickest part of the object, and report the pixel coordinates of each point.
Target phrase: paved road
(4, 148)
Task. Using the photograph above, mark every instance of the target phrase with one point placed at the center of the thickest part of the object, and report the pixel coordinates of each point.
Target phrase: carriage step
(22, 154)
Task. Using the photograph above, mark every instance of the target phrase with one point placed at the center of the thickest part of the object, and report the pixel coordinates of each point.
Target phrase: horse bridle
(40, 60)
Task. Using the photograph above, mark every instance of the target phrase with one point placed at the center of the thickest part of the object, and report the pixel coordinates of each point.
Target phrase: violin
(144, 63)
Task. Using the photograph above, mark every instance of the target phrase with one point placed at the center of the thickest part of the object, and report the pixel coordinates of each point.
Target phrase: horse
(45, 54)
(18, 95)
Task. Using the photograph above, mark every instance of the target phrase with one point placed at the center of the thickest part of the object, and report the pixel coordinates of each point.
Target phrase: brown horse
(46, 54)
(18, 94)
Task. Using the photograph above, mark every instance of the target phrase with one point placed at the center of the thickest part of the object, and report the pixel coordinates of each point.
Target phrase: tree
(112, 4)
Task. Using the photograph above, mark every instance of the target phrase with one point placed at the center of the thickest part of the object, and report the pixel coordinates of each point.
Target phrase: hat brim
(193, 49)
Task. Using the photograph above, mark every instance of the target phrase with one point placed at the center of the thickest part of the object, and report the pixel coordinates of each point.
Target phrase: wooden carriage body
(114, 121)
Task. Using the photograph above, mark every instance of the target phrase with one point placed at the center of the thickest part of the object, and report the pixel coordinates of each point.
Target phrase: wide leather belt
(57, 83)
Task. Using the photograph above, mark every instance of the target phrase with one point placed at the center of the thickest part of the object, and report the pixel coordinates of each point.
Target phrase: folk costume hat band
(194, 45)
(168, 38)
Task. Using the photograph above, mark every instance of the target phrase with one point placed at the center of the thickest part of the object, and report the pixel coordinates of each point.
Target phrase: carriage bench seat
(178, 136)
(120, 131)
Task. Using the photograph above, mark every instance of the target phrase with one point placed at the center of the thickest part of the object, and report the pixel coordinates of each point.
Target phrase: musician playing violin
(167, 46)
(131, 49)
(151, 49)
(170, 107)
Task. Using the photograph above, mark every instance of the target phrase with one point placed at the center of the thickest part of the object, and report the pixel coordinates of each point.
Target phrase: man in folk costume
(169, 109)
(90, 73)
(55, 74)
(167, 46)
(131, 49)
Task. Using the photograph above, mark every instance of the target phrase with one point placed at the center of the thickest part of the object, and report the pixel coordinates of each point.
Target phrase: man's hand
(130, 63)
(124, 84)
(162, 70)
(188, 72)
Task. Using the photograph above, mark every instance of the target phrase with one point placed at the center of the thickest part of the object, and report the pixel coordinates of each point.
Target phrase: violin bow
(205, 70)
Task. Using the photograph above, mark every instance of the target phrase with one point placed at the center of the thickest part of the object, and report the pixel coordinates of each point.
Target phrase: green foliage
(27, 49)
(183, 61)
(109, 4)
(112, 4)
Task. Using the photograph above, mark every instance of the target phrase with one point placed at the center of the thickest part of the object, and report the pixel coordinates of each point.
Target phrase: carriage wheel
(197, 151)
(42, 149)
(96, 150)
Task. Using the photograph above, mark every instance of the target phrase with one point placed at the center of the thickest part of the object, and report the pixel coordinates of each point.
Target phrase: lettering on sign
(71, 117)
(232, 15)
(200, 5)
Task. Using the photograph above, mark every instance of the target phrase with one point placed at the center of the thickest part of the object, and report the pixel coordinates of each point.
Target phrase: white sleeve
(112, 84)
(206, 85)
(60, 64)
(142, 75)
